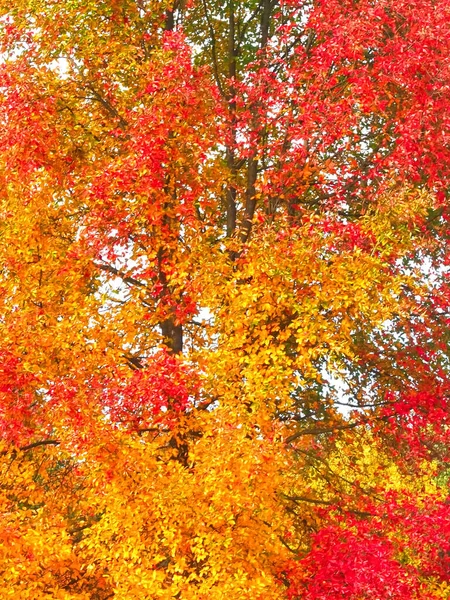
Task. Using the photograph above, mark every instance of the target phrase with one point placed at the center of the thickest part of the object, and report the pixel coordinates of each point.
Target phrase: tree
(225, 366)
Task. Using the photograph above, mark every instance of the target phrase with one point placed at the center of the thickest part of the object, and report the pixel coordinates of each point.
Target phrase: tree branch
(40, 443)
(213, 50)
(121, 274)
(315, 431)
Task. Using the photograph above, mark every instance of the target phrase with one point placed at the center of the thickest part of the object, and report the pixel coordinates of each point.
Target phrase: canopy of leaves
(224, 347)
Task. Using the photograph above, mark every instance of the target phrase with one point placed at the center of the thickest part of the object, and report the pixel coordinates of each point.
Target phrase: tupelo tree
(224, 299)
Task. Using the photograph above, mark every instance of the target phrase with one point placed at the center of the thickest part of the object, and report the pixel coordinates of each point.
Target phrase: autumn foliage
(224, 322)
